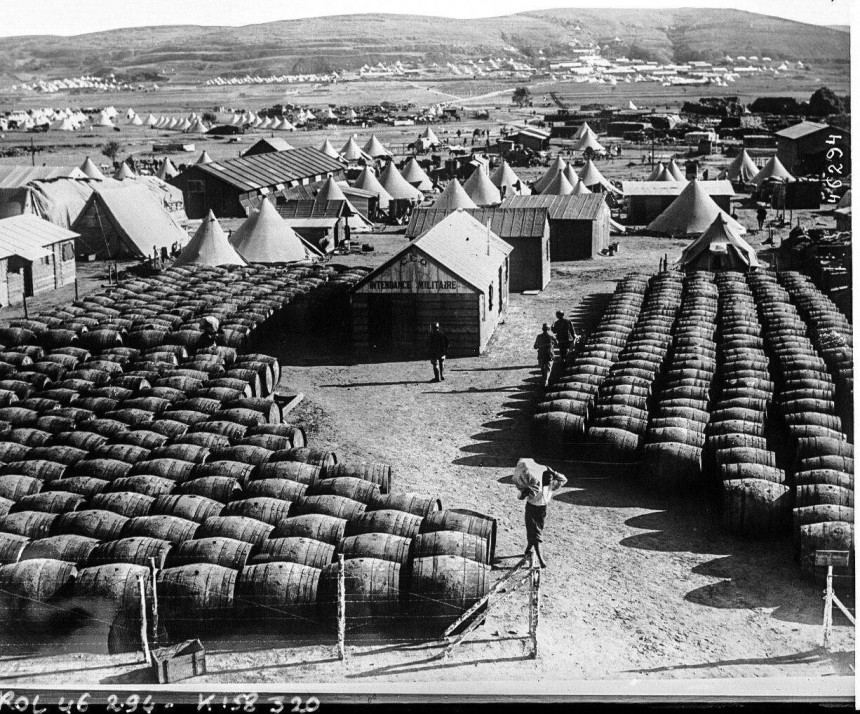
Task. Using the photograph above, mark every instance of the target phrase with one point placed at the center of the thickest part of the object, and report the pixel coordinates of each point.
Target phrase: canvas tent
(656, 171)
(454, 196)
(719, 248)
(481, 190)
(557, 165)
(124, 172)
(692, 212)
(167, 170)
(329, 150)
(742, 169)
(416, 176)
(592, 177)
(204, 158)
(353, 153)
(773, 170)
(367, 181)
(91, 170)
(588, 141)
(397, 186)
(509, 184)
(265, 237)
(675, 170)
(209, 246)
(375, 149)
(559, 186)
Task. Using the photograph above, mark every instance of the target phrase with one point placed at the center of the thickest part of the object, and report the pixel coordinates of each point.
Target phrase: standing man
(437, 346)
(761, 214)
(562, 328)
(536, 484)
(545, 345)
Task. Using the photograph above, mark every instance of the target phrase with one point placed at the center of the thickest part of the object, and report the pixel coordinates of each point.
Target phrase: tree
(210, 117)
(111, 149)
(824, 102)
(522, 96)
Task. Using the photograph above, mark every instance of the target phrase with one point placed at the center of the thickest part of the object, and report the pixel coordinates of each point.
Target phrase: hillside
(348, 41)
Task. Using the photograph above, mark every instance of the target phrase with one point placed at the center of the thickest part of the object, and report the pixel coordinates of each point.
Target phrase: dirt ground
(639, 585)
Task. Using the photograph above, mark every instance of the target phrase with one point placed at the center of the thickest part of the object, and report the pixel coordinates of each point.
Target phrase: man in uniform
(437, 347)
(562, 328)
(545, 345)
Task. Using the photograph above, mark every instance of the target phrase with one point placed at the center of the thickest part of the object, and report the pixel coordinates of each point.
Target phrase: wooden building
(531, 138)
(578, 224)
(269, 145)
(648, 199)
(225, 187)
(525, 229)
(35, 256)
(455, 274)
(324, 224)
(813, 148)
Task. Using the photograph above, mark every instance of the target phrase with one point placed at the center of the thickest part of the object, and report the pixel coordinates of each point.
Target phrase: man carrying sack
(536, 485)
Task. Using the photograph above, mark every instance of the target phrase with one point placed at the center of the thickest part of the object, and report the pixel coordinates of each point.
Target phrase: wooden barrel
(94, 523)
(373, 589)
(226, 552)
(296, 434)
(834, 535)
(458, 543)
(111, 588)
(126, 453)
(316, 526)
(745, 455)
(830, 477)
(10, 451)
(357, 489)
(169, 427)
(408, 502)
(675, 434)
(372, 472)
(442, 587)
(821, 494)
(316, 457)
(184, 416)
(270, 442)
(108, 469)
(241, 528)
(823, 513)
(196, 599)
(262, 508)
(337, 506)
(255, 455)
(230, 429)
(384, 546)
(125, 503)
(29, 437)
(282, 489)
(397, 523)
(202, 438)
(86, 440)
(279, 594)
(217, 488)
(840, 463)
(456, 519)
(735, 426)
(755, 507)
(183, 452)
(42, 470)
(614, 444)
(673, 466)
(146, 485)
(15, 487)
(745, 470)
(291, 470)
(136, 550)
(295, 549)
(729, 441)
(264, 370)
(172, 469)
(30, 591)
(70, 548)
(12, 545)
(557, 432)
(170, 528)
(50, 502)
(144, 438)
(231, 469)
(823, 446)
(188, 506)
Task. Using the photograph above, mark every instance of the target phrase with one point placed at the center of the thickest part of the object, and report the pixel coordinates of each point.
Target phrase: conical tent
(453, 197)
(151, 120)
(588, 141)
(666, 175)
(582, 131)
(571, 175)
(135, 121)
(397, 186)
(329, 150)
(631, 105)
(559, 186)
(741, 170)
(505, 179)
(204, 158)
(719, 248)
(367, 181)
(416, 176)
(579, 188)
(374, 147)
(430, 136)
(692, 211)
(124, 172)
(330, 191)
(675, 170)
(91, 170)
(481, 190)
(557, 165)
(103, 120)
(845, 201)
(772, 170)
(656, 171)
(63, 125)
(209, 246)
(197, 127)
(265, 237)
(592, 177)
(167, 170)
(352, 152)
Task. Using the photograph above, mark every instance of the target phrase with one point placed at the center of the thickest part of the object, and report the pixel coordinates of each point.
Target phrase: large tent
(505, 179)
(481, 190)
(124, 172)
(656, 171)
(592, 177)
(415, 175)
(329, 150)
(430, 136)
(773, 170)
(453, 197)
(367, 181)
(374, 148)
(397, 186)
(91, 170)
(204, 158)
(559, 186)
(741, 170)
(209, 246)
(588, 140)
(557, 165)
(265, 237)
(675, 170)
(693, 211)
(719, 248)
(353, 153)
(167, 170)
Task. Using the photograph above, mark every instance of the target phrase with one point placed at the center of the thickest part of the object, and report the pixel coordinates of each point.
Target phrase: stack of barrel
(560, 418)
(823, 458)
(619, 419)
(755, 499)
(676, 432)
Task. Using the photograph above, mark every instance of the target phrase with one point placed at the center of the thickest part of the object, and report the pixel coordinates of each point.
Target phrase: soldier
(437, 348)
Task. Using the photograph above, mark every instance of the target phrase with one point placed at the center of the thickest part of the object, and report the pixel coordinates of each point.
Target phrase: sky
(72, 17)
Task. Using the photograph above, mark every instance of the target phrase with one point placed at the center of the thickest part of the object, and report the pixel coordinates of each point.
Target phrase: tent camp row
(560, 179)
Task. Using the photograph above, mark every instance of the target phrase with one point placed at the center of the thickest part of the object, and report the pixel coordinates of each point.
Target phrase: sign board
(414, 273)
(836, 558)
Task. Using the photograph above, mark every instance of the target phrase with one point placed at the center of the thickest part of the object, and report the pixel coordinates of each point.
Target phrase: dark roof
(251, 173)
(504, 222)
(798, 131)
(312, 209)
(310, 190)
(582, 207)
(269, 145)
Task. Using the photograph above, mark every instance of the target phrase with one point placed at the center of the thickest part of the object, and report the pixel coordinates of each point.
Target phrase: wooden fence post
(341, 608)
(828, 608)
(144, 638)
(154, 570)
(534, 606)
(24, 296)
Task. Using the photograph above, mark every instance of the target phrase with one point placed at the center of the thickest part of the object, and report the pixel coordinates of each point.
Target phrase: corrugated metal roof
(504, 222)
(674, 188)
(28, 235)
(310, 190)
(562, 208)
(800, 130)
(312, 209)
(17, 176)
(311, 222)
(251, 173)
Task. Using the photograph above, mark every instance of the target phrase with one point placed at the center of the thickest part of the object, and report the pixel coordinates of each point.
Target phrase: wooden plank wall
(43, 274)
(4, 282)
(64, 270)
(15, 283)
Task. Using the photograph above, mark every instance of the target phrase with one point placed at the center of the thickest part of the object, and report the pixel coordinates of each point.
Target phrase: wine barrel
(196, 599)
(11, 451)
(456, 519)
(295, 549)
(126, 453)
(172, 469)
(111, 588)
(745, 455)
(182, 452)
(291, 470)
(229, 429)
(30, 591)
(316, 457)
(755, 507)
(818, 495)
(202, 438)
(614, 444)
(15, 486)
(393, 522)
(125, 503)
(823, 446)
(376, 473)
(190, 507)
(729, 441)
(262, 508)
(675, 434)
(146, 485)
(835, 535)
(241, 528)
(296, 434)
(413, 503)
(108, 469)
(254, 455)
(830, 477)
(29, 437)
(747, 470)
(169, 427)
(373, 589)
(337, 506)
(442, 587)
(673, 465)
(226, 552)
(384, 546)
(823, 513)
(463, 545)
(50, 502)
(316, 526)
(170, 528)
(231, 469)
(280, 594)
(270, 442)
(144, 438)
(12, 545)
(94, 523)
(840, 463)
(135, 550)
(282, 489)
(357, 489)
(86, 440)
(70, 548)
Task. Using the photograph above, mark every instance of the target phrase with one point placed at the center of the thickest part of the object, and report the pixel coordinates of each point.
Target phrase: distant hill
(349, 41)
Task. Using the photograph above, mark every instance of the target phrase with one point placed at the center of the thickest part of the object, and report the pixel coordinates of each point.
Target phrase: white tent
(415, 175)
(557, 165)
(719, 248)
(204, 158)
(454, 196)
(209, 246)
(124, 172)
(367, 181)
(265, 237)
(481, 189)
(397, 186)
(374, 148)
(693, 211)
(509, 184)
(91, 170)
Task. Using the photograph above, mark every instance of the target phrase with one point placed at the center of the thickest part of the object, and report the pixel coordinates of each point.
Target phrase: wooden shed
(578, 224)
(648, 199)
(35, 256)
(810, 148)
(455, 274)
(525, 229)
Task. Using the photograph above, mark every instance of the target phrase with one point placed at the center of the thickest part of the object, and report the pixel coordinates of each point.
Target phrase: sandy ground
(639, 585)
